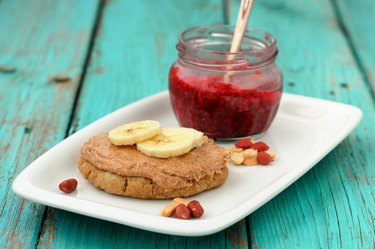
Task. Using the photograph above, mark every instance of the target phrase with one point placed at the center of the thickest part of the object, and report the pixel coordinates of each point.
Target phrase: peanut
(250, 161)
(244, 143)
(249, 153)
(259, 146)
(168, 211)
(237, 158)
(272, 154)
(195, 208)
(182, 212)
(68, 186)
(264, 158)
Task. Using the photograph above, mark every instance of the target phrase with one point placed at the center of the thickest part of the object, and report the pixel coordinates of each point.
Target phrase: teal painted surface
(331, 206)
(133, 51)
(39, 41)
(358, 20)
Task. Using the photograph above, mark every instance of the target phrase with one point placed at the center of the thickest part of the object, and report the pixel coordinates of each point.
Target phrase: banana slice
(134, 132)
(198, 138)
(171, 142)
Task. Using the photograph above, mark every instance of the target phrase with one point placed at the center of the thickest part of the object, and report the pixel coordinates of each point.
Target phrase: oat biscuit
(124, 170)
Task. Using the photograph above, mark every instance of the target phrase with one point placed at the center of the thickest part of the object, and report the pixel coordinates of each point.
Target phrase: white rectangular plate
(303, 132)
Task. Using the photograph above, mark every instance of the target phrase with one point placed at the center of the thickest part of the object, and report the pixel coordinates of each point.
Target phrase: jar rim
(271, 45)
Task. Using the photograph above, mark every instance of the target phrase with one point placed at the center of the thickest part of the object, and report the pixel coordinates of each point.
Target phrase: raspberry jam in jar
(225, 95)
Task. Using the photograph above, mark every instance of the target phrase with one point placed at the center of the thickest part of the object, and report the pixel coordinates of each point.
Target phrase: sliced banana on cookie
(198, 139)
(171, 142)
(134, 132)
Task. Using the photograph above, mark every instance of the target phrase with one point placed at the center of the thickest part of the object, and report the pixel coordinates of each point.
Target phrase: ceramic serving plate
(303, 132)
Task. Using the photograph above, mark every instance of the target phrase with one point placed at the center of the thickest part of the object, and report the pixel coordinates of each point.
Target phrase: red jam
(225, 95)
(224, 110)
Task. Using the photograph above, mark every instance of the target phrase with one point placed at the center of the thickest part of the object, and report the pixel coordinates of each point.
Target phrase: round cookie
(123, 170)
(141, 187)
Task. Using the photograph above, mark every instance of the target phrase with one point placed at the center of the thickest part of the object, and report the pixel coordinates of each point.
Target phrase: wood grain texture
(134, 50)
(332, 206)
(132, 54)
(358, 24)
(39, 41)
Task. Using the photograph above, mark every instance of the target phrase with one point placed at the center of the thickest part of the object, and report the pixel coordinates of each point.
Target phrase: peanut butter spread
(170, 173)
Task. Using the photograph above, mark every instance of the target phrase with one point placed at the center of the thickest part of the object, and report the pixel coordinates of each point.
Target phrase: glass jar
(225, 95)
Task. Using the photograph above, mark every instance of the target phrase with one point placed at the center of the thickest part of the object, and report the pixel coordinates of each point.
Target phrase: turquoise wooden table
(64, 64)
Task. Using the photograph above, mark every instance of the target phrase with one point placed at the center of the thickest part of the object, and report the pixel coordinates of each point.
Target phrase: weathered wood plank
(39, 39)
(357, 21)
(70, 230)
(132, 55)
(332, 205)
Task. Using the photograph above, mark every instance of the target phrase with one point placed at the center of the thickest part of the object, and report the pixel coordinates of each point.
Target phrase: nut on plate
(250, 161)
(249, 152)
(237, 158)
(183, 209)
(272, 154)
(171, 208)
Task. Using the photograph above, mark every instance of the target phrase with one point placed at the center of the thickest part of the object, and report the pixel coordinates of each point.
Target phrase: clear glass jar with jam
(225, 95)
